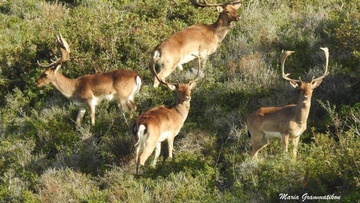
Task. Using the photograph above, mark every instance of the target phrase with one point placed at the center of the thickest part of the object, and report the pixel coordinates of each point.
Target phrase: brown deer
(197, 40)
(88, 91)
(288, 122)
(162, 123)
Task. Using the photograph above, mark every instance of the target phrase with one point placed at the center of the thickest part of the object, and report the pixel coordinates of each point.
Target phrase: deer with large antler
(88, 91)
(197, 40)
(288, 122)
(162, 123)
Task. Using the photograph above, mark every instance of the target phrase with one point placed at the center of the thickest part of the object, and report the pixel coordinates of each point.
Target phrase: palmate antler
(204, 3)
(65, 52)
(326, 72)
(285, 54)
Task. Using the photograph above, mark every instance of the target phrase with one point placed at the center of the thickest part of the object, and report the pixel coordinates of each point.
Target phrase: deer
(196, 40)
(163, 122)
(87, 91)
(288, 122)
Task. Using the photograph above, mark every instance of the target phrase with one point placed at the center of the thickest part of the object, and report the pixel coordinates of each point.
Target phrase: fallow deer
(288, 122)
(162, 123)
(88, 91)
(197, 40)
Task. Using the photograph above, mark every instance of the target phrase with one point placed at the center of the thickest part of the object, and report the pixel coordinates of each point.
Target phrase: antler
(284, 55)
(204, 3)
(326, 72)
(65, 52)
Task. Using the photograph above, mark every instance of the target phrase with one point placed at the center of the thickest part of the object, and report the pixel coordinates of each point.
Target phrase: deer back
(199, 39)
(118, 81)
(169, 118)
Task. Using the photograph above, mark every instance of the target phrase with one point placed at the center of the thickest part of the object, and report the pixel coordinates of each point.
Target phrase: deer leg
(203, 60)
(137, 154)
(123, 106)
(259, 141)
(122, 103)
(157, 153)
(140, 145)
(165, 71)
(170, 147)
(132, 104)
(137, 158)
(92, 112)
(285, 142)
(156, 83)
(295, 149)
(80, 115)
(125, 100)
(147, 151)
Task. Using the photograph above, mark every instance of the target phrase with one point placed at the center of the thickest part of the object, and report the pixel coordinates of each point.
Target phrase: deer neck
(302, 109)
(65, 85)
(183, 109)
(221, 28)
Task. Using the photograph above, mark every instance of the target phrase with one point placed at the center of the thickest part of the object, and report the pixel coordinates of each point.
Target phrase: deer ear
(219, 9)
(192, 85)
(237, 6)
(57, 68)
(294, 84)
(171, 86)
(316, 83)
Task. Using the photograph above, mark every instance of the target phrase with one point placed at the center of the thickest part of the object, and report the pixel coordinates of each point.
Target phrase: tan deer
(162, 123)
(197, 40)
(288, 122)
(88, 91)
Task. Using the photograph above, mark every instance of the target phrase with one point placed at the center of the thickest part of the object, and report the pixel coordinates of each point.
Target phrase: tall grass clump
(66, 185)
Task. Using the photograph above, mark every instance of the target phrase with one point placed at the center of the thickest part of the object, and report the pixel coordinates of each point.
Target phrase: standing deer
(197, 40)
(88, 91)
(162, 123)
(288, 122)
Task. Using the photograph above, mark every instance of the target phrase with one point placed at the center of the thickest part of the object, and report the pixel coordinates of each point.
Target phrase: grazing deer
(288, 122)
(162, 123)
(88, 91)
(197, 40)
